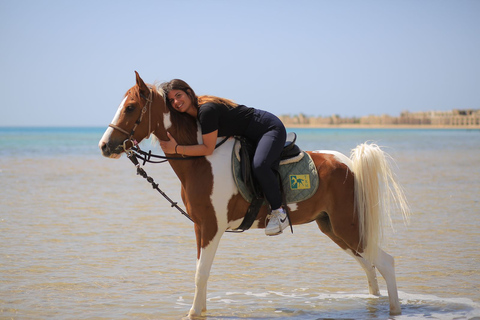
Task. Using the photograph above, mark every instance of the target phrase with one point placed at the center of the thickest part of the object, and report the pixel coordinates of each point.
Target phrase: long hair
(205, 99)
(187, 124)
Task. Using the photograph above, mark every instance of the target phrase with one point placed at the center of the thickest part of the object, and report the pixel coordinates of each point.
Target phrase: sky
(69, 63)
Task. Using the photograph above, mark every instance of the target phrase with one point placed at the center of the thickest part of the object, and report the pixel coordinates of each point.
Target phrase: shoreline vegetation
(454, 119)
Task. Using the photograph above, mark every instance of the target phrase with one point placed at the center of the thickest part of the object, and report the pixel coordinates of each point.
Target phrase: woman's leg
(265, 160)
(270, 135)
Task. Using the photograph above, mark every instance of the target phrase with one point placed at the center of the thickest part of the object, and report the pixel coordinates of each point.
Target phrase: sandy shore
(379, 126)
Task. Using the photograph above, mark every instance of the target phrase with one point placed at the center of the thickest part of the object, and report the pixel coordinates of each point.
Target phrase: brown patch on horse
(338, 184)
(323, 222)
(332, 206)
(196, 194)
(236, 208)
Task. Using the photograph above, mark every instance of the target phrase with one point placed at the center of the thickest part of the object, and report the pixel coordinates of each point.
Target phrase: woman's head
(184, 125)
(177, 88)
(177, 84)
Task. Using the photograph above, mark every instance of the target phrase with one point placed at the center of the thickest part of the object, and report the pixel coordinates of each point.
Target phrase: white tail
(376, 193)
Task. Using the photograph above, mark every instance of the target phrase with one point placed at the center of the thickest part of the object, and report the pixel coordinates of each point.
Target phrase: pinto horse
(353, 194)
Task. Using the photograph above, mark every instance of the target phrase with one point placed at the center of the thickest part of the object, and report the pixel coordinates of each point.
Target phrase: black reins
(147, 156)
(133, 157)
(134, 153)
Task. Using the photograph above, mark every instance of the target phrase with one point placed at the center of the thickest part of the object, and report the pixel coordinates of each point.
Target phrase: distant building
(454, 118)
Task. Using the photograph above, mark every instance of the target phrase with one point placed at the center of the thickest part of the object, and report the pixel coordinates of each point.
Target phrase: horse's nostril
(104, 146)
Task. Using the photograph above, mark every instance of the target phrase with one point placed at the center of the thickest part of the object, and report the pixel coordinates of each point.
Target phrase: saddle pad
(299, 176)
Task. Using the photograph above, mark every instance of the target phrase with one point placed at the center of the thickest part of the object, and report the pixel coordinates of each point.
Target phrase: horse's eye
(129, 109)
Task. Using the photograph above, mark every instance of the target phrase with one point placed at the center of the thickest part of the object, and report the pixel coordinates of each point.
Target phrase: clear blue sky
(70, 62)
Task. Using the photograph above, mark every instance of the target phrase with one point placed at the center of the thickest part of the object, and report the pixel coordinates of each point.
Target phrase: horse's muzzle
(110, 151)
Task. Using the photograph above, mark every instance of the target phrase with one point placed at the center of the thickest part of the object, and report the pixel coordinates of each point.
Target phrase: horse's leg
(369, 271)
(206, 250)
(324, 224)
(386, 266)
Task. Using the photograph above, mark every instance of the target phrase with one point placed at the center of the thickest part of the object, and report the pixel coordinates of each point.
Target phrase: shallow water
(83, 237)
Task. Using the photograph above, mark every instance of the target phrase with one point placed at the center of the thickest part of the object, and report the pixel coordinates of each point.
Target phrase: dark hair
(187, 125)
(177, 84)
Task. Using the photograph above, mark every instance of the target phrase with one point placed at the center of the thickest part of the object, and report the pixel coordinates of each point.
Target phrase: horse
(354, 196)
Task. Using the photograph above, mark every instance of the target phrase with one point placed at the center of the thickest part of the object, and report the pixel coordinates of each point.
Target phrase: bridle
(135, 152)
(131, 139)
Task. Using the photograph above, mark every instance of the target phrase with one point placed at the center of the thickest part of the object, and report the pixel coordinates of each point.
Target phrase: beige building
(456, 117)
(452, 118)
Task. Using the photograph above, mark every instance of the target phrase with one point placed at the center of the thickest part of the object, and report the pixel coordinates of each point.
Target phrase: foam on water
(340, 305)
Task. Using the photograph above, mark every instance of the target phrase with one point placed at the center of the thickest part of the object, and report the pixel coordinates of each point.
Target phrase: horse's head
(140, 113)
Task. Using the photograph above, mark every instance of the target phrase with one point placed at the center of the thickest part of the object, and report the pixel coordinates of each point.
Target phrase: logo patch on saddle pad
(299, 181)
(298, 174)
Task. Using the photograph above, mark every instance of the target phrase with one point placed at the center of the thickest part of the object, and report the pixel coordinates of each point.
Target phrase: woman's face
(180, 101)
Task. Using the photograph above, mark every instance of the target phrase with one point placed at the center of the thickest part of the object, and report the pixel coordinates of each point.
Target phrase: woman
(223, 117)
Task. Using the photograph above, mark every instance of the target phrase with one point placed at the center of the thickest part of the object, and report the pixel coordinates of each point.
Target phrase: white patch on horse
(167, 123)
(204, 265)
(199, 134)
(340, 157)
(224, 187)
(369, 271)
(109, 131)
(292, 207)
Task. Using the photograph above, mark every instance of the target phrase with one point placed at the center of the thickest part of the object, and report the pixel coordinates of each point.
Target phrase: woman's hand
(168, 146)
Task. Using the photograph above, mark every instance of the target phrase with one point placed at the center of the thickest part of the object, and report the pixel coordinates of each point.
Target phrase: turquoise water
(83, 237)
(45, 142)
(84, 141)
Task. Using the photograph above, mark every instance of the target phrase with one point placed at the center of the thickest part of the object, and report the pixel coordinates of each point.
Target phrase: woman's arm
(205, 149)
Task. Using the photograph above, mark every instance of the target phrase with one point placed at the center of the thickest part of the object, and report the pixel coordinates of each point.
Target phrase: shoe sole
(274, 234)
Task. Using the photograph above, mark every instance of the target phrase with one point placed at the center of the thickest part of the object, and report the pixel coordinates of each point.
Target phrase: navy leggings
(269, 135)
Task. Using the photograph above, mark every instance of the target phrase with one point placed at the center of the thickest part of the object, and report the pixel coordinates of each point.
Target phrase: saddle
(296, 172)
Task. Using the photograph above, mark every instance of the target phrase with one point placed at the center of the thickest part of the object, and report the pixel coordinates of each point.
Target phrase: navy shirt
(227, 120)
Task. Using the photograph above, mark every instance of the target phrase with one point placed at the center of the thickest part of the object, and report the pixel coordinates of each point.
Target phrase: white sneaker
(278, 221)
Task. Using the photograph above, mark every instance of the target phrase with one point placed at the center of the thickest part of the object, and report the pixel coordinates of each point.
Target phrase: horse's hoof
(396, 312)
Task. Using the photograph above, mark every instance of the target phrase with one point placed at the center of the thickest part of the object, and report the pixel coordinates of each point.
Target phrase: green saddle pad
(299, 176)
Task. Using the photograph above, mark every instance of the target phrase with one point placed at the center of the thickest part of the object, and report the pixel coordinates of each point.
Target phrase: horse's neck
(184, 168)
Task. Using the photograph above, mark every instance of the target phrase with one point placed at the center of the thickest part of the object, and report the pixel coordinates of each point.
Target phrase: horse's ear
(143, 87)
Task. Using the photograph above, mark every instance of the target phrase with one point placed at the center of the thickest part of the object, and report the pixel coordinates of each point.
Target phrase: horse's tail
(376, 192)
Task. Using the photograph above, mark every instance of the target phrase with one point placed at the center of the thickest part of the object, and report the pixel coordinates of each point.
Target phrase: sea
(84, 237)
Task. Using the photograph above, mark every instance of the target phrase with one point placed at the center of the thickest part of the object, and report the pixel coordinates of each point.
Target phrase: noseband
(131, 139)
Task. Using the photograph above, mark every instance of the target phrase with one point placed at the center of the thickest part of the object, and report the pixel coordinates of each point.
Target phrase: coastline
(378, 126)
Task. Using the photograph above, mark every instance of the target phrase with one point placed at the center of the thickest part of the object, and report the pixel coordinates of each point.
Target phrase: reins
(135, 152)
(147, 156)
(133, 157)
